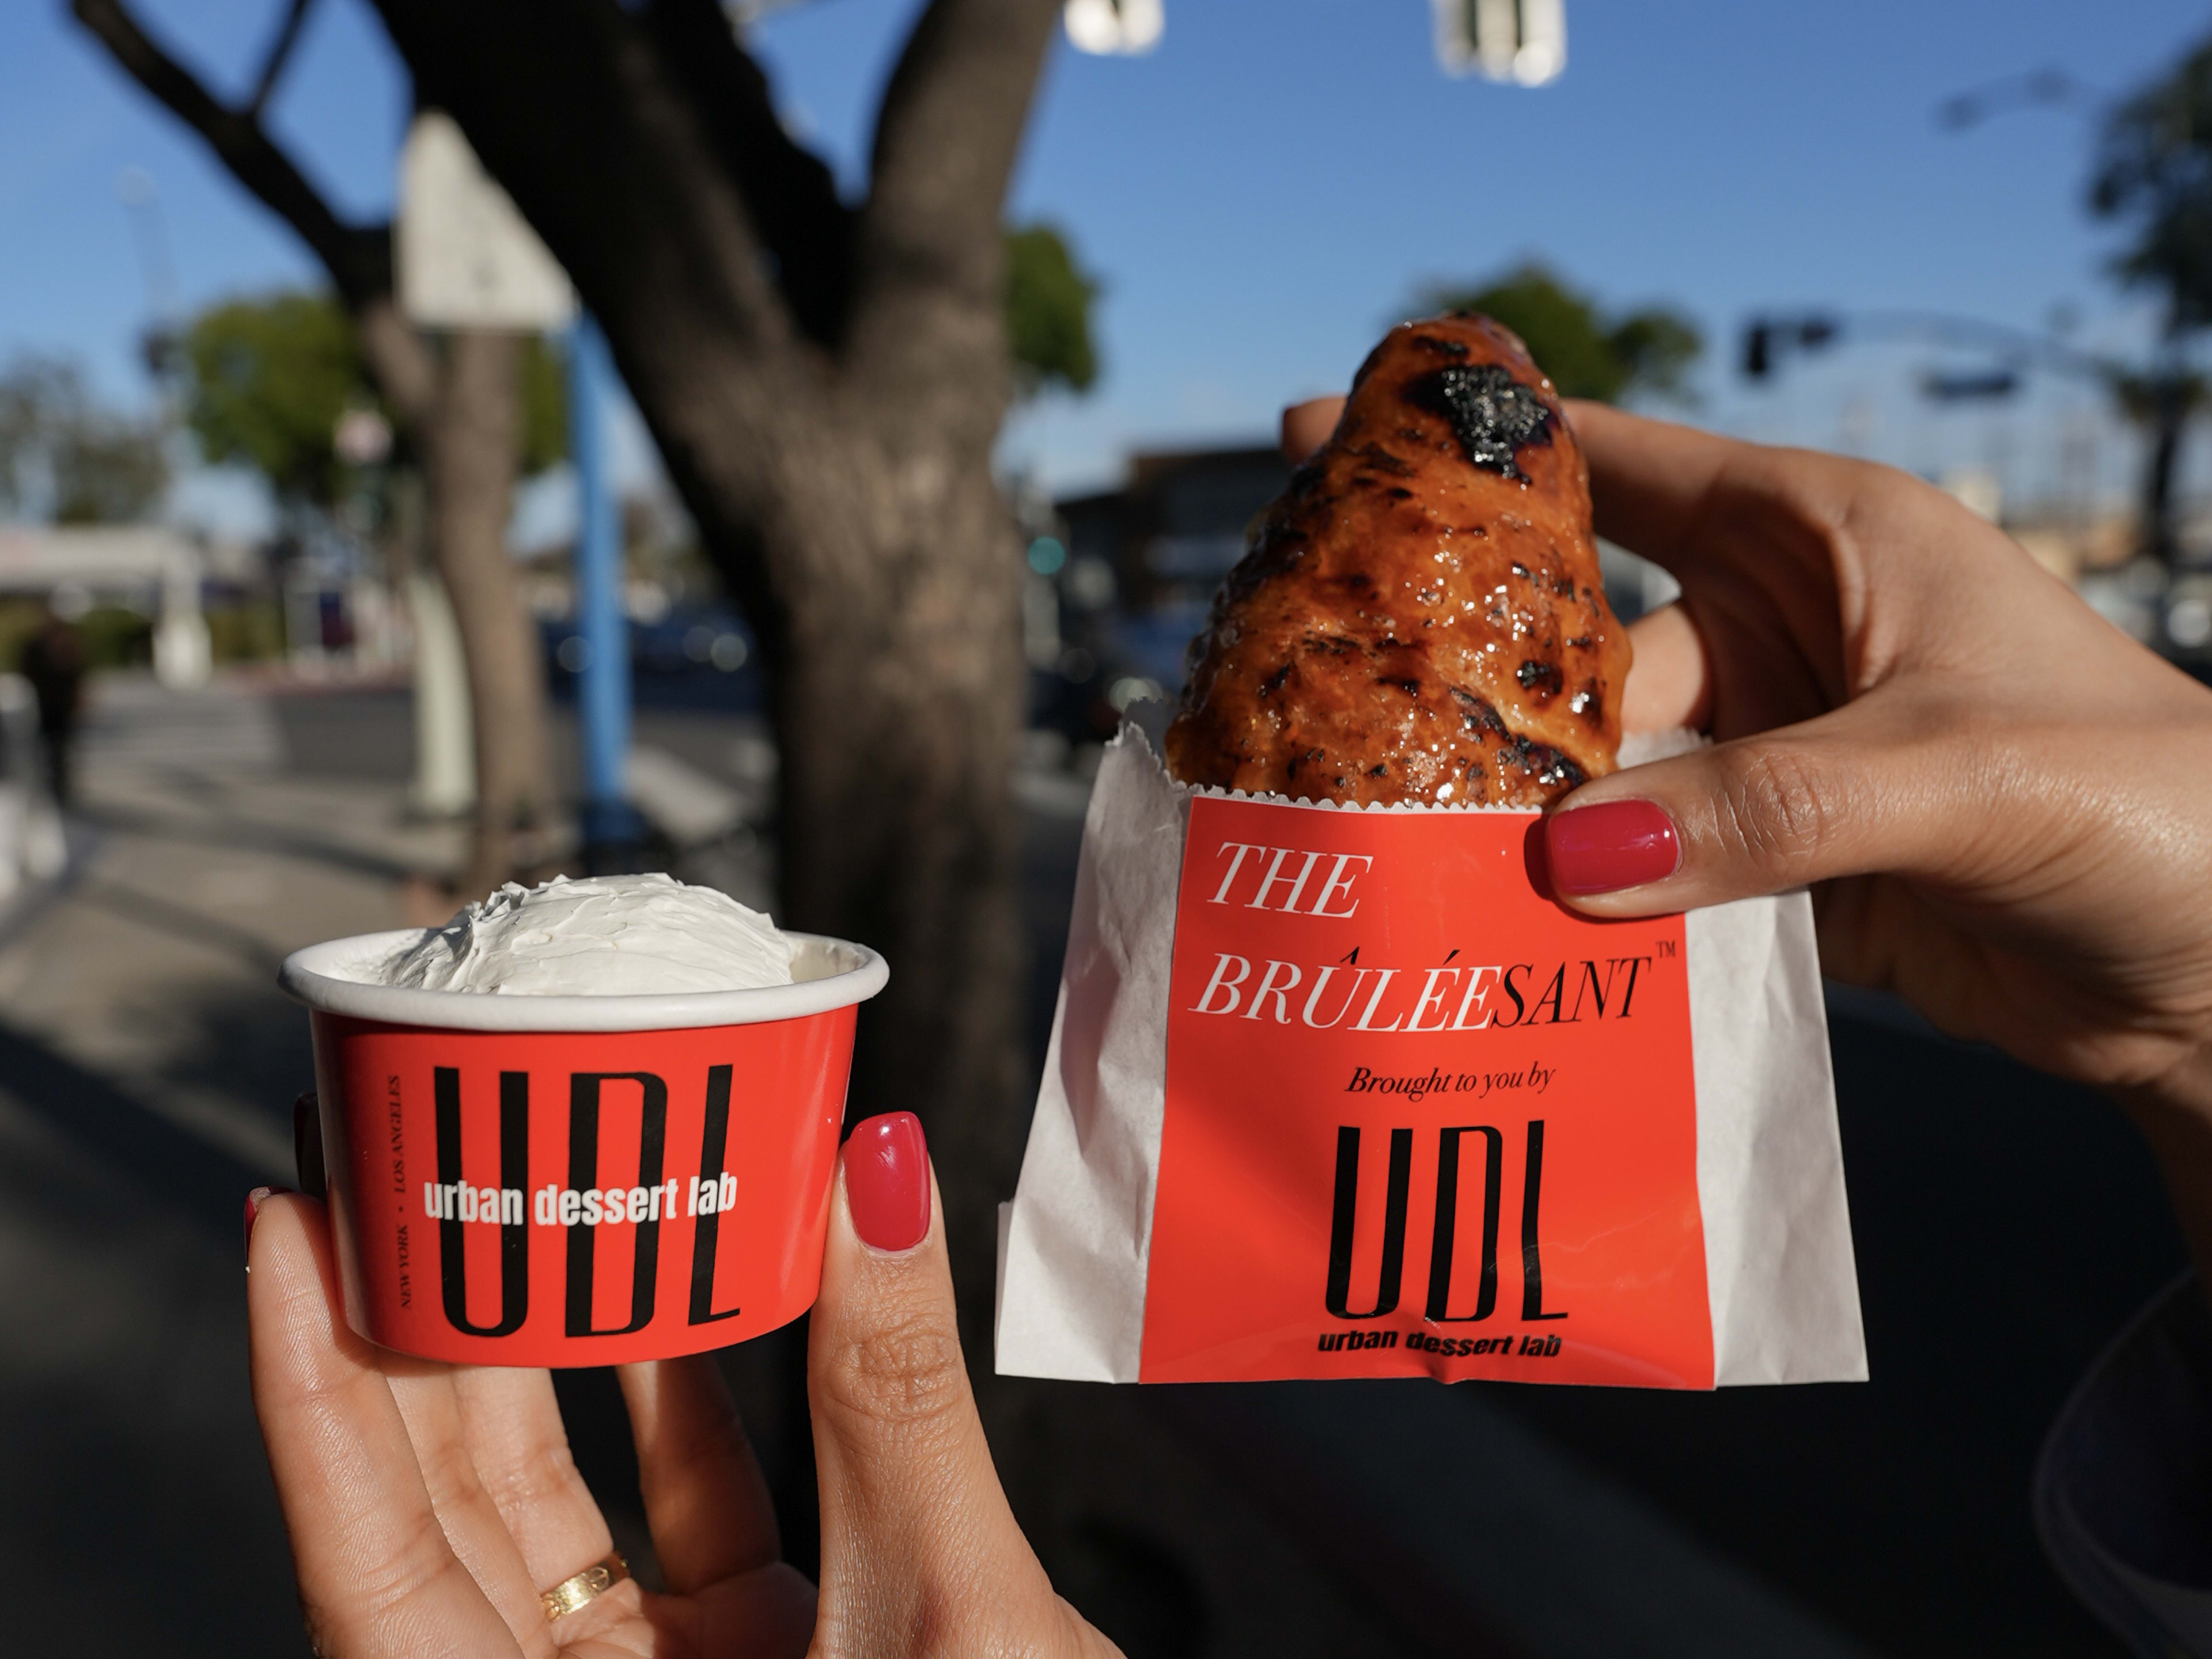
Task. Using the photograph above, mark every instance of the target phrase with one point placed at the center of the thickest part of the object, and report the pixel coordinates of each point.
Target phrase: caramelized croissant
(1419, 617)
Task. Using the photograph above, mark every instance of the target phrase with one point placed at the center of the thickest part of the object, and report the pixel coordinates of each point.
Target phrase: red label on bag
(513, 1198)
(1420, 1119)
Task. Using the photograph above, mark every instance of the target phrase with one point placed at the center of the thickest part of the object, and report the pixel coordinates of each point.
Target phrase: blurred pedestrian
(53, 662)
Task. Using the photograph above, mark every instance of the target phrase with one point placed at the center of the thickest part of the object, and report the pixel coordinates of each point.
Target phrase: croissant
(1419, 615)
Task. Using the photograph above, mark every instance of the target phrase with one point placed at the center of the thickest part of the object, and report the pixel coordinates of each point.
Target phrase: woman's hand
(2004, 804)
(431, 1505)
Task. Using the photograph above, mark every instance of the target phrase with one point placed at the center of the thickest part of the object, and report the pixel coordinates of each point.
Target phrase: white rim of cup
(317, 976)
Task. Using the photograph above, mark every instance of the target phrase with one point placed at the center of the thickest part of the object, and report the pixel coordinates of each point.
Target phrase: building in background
(158, 572)
(1142, 563)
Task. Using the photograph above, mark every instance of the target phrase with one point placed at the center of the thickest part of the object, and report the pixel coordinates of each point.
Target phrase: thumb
(919, 1553)
(1842, 795)
(1306, 426)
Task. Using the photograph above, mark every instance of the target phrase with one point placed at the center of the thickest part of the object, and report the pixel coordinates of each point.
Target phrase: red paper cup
(578, 1180)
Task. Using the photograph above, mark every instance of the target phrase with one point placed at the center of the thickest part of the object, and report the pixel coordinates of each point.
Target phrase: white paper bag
(1272, 1261)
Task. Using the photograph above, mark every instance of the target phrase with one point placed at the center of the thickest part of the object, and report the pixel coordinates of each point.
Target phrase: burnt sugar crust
(1419, 617)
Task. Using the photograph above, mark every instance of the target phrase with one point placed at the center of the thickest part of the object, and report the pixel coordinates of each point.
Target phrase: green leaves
(544, 407)
(267, 381)
(1048, 312)
(2154, 168)
(1656, 347)
(63, 456)
(1587, 353)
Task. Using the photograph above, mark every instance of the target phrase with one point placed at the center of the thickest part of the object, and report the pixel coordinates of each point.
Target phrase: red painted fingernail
(254, 1200)
(1613, 845)
(887, 1181)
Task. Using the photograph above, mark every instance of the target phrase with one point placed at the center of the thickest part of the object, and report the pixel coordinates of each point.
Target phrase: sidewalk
(147, 1067)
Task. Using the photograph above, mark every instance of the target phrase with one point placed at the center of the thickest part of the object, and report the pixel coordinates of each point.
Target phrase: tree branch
(946, 140)
(280, 53)
(358, 258)
(790, 193)
(399, 360)
(568, 105)
(573, 107)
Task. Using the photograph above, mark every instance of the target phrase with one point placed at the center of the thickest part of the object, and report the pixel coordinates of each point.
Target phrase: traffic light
(1765, 339)
(1758, 351)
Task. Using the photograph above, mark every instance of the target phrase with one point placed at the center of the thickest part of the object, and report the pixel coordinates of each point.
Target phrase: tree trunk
(824, 382)
(898, 707)
(472, 442)
(464, 413)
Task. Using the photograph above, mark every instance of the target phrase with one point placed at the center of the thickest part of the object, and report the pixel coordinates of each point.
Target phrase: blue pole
(602, 682)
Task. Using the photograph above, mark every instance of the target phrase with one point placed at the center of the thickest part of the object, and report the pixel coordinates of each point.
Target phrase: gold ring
(592, 1583)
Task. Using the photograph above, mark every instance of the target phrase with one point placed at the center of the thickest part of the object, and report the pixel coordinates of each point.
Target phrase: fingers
(1670, 679)
(712, 1525)
(1839, 796)
(475, 1530)
(916, 1536)
(704, 1497)
(1306, 426)
(519, 1450)
(1649, 480)
(376, 1575)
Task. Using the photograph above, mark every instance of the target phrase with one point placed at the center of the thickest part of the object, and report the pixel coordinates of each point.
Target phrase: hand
(430, 1504)
(2004, 804)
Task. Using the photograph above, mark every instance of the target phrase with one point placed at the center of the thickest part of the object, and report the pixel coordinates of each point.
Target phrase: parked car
(694, 657)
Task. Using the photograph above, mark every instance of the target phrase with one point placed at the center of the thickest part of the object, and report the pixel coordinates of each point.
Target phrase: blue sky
(1266, 190)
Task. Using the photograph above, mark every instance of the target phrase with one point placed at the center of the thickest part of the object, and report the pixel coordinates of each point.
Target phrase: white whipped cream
(601, 936)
